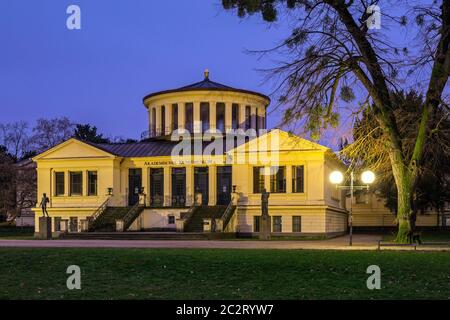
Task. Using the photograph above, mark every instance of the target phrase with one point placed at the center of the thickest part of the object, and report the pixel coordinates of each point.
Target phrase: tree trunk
(404, 183)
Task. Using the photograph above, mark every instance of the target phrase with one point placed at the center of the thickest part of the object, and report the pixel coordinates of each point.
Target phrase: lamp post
(367, 177)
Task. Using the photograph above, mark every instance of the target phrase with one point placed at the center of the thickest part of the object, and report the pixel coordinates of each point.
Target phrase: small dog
(414, 237)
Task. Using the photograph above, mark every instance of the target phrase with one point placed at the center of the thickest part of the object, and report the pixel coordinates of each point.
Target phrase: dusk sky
(125, 50)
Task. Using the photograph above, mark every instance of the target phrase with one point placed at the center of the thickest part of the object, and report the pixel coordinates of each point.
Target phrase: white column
(181, 116)
(167, 187)
(228, 116)
(197, 122)
(242, 116)
(289, 179)
(253, 117)
(66, 183)
(189, 185)
(84, 183)
(212, 185)
(146, 184)
(212, 116)
(267, 179)
(168, 128)
(158, 120)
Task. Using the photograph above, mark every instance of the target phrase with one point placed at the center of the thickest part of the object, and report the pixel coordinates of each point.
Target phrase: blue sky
(125, 50)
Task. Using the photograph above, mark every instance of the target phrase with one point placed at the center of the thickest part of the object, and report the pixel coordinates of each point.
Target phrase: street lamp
(367, 177)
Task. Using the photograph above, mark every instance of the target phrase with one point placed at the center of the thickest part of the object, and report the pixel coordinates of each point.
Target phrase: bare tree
(332, 52)
(50, 132)
(14, 136)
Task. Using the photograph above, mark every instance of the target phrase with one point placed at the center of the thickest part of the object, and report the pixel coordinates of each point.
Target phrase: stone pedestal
(45, 228)
(265, 228)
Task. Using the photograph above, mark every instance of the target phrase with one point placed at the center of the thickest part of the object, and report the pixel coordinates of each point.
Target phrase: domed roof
(206, 85)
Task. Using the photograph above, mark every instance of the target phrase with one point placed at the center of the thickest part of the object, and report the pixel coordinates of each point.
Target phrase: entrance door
(178, 187)
(134, 185)
(201, 183)
(223, 185)
(157, 187)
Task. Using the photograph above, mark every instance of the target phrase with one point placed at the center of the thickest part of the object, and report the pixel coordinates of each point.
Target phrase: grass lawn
(13, 232)
(222, 274)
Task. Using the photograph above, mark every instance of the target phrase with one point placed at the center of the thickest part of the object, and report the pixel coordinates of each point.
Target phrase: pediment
(73, 149)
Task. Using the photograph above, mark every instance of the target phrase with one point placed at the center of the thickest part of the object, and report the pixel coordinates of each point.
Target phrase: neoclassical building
(202, 168)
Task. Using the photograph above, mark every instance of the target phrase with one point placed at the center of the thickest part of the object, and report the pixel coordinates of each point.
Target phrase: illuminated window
(278, 179)
(59, 183)
(175, 116)
(277, 226)
(235, 116)
(189, 117)
(220, 116)
(92, 183)
(76, 183)
(258, 179)
(256, 223)
(298, 179)
(204, 116)
(296, 224)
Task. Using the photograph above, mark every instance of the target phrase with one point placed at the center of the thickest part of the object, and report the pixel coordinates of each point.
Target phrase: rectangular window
(204, 115)
(171, 219)
(220, 116)
(57, 223)
(256, 223)
(235, 116)
(189, 117)
(258, 179)
(76, 183)
(298, 179)
(59, 183)
(92, 183)
(278, 179)
(276, 222)
(248, 117)
(73, 224)
(296, 224)
(174, 117)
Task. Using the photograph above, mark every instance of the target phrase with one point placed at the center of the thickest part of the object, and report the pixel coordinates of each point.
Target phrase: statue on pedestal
(43, 204)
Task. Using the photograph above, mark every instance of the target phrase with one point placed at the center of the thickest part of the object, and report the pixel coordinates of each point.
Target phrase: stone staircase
(195, 223)
(106, 222)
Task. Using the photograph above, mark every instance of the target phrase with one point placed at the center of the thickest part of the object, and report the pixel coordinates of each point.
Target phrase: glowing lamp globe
(336, 177)
(368, 177)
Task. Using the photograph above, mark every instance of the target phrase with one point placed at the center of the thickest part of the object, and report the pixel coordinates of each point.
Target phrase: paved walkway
(360, 242)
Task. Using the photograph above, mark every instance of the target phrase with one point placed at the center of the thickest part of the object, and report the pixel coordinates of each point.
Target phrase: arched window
(204, 115)
(235, 116)
(163, 120)
(220, 116)
(174, 116)
(189, 117)
(248, 117)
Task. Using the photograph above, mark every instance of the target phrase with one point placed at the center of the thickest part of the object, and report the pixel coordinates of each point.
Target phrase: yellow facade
(81, 179)
(321, 211)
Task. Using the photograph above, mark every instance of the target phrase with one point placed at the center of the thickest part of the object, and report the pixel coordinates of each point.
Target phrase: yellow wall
(112, 172)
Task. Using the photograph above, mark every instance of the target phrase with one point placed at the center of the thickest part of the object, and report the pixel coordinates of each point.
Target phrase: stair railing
(97, 213)
(131, 215)
(227, 214)
(185, 217)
